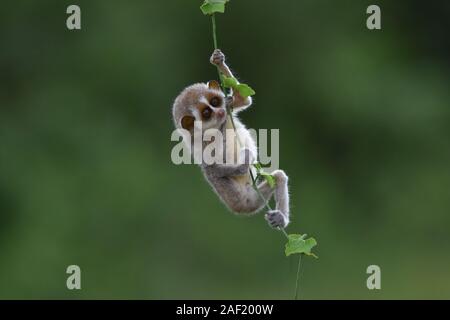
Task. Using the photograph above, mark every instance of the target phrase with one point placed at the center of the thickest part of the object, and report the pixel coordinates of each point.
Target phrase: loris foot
(276, 219)
(217, 57)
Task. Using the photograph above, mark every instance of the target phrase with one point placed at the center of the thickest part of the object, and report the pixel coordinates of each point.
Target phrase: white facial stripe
(203, 100)
(196, 113)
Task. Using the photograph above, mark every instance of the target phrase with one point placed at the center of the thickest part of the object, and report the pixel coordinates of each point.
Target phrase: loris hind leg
(279, 218)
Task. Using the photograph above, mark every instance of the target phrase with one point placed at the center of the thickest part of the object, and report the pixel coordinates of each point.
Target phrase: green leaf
(261, 174)
(269, 178)
(297, 244)
(243, 89)
(265, 165)
(257, 166)
(230, 82)
(212, 6)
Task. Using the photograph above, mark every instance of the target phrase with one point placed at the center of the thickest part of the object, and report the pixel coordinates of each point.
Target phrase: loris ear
(187, 122)
(213, 84)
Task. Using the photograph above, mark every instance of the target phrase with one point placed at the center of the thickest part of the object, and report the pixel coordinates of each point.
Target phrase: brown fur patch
(187, 122)
(213, 84)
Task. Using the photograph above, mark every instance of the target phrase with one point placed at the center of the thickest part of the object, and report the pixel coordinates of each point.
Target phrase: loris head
(200, 102)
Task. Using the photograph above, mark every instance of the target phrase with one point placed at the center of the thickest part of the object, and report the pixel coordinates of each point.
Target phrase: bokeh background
(85, 170)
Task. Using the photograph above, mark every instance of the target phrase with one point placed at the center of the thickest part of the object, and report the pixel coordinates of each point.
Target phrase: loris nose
(220, 113)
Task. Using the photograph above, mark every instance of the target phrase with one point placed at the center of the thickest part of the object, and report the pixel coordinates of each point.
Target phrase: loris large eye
(215, 102)
(206, 113)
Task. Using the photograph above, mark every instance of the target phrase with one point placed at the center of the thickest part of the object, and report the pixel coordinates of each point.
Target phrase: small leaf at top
(298, 244)
(212, 6)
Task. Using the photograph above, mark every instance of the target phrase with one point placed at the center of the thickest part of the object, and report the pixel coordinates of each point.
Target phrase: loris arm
(218, 59)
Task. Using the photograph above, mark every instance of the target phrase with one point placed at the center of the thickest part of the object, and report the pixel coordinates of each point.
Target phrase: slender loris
(205, 105)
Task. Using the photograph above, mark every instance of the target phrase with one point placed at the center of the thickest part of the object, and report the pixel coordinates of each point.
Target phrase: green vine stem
(297, 280)
(214, 28)
(213, 20)
(266, 202)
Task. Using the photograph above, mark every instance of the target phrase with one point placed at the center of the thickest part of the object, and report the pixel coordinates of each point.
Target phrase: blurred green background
(85, 170)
